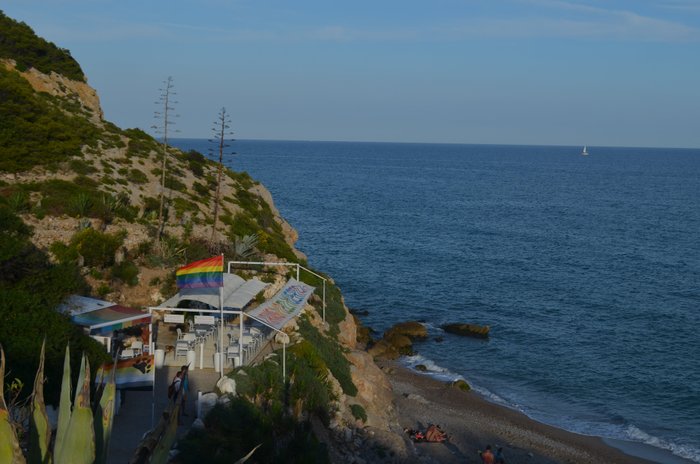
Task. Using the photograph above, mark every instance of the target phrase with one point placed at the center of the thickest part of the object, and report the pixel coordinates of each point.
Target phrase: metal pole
(324, 301)
(152, 352)
(221, 332)
(240, 337)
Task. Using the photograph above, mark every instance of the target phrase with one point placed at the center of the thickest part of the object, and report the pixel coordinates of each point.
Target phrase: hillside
(79, 203)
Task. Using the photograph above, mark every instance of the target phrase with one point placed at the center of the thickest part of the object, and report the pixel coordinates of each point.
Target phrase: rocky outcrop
(467, 330)
(60, 86)
(398, 340)
(290, 234)
(373, 389)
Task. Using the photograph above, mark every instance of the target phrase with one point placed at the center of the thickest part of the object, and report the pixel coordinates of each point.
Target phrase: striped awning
(100, 318)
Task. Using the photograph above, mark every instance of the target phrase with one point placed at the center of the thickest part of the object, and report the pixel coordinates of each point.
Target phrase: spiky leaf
(79, 443)
(65, 406)
(39, 427)
(10, 451)
(104, 418)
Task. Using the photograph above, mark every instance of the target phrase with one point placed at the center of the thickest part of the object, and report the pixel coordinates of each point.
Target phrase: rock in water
(469, 330)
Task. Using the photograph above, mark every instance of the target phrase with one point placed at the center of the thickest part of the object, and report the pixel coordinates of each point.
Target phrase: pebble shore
(472, 423)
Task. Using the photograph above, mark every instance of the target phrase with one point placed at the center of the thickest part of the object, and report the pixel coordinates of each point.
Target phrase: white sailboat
(584, 152)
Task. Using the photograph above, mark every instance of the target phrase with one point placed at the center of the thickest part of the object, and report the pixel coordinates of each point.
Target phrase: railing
(299, 269)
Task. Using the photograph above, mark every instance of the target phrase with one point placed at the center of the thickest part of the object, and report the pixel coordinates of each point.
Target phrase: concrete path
(134, 418)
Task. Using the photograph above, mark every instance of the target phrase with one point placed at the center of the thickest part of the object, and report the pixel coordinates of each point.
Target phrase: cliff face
(59, 86)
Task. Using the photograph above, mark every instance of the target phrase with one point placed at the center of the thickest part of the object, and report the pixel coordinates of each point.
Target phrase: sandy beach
(472, 423)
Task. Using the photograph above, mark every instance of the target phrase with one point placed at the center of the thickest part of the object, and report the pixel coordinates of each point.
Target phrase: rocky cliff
(109, 183)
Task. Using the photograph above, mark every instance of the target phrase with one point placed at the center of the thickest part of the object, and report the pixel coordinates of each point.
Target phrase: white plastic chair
(137, 347)
(181, 348)
(126, 354)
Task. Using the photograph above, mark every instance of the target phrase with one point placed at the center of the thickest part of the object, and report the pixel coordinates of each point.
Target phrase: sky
(540, 72)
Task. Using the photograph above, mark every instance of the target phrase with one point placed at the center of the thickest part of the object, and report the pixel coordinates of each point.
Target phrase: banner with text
(285, 305)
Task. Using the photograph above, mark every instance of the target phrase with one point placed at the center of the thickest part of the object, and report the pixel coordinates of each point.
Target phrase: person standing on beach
(499, 456)
(487, 455)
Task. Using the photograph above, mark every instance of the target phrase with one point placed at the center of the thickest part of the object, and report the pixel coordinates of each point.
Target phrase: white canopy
(237, 293)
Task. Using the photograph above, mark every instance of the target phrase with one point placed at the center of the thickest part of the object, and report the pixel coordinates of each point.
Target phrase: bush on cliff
(233, 430)
(30, 290)
(19, 42)
(331, 353)
(34, 132)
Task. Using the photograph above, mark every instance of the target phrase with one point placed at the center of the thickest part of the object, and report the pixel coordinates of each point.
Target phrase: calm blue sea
(587, 269)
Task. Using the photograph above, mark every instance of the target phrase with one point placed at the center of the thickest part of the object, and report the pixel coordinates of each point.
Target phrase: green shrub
(81, 205)
(95, 247)
(335, 309)
(137, 176)
(201, 190)
(79, 166)
(103, 290)
(49, 136)
(31, 288)
(19, 42)
(127, 272)
(331, 353)
(358, 412)
(174, 184)
(235, 429)
(18, 201)
(64, 253)
(57, 196)
(196, 162)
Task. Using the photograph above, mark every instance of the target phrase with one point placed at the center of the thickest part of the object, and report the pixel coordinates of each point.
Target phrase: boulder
(468, 330)
(401, 343)
(206, 403)
(198, 424)
(383, 350)
(410, 329)
(461, 384)
(226, 385)
(363, 336)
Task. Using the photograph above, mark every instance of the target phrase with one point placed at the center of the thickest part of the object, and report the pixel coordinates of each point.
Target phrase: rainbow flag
(205, 273)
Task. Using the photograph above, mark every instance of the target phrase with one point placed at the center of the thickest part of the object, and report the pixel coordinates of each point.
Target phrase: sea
(586, 269)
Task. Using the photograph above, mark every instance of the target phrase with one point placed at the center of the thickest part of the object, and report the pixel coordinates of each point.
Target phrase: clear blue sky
(595, 72)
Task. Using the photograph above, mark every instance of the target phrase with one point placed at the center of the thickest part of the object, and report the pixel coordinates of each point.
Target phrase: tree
(221, 126)
(165, 99)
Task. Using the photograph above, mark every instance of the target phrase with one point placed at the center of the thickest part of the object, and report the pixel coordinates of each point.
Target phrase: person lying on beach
(433, 434)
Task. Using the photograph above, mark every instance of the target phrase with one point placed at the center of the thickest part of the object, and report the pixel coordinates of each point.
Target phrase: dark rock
(439, 339)
(468, 330)
(462, 385)
(410, 329)
(421, 367)
(359, 312)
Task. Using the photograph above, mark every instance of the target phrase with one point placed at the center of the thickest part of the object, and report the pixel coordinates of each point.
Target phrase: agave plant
(39, 426)
(10, 451)
(77, 445)
(78, 440)
(81, 204)
(244, 247)
(18, 202)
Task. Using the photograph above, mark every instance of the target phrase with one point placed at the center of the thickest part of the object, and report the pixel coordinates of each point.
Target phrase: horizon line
(439, 143)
